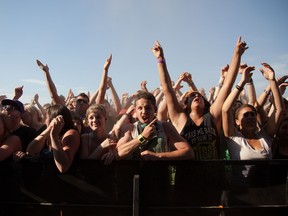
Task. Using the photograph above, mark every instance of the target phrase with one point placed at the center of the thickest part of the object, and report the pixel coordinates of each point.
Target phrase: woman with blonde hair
(95, 144)
(33, 118)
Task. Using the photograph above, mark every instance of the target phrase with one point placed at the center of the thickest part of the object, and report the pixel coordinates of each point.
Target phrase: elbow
(187, 154)
(225, 110)
(63, 169)
(30, 152)
(190, 154)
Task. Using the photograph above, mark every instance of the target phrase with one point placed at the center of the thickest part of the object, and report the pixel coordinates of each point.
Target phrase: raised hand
(242, 67)
(56, 125)
(18, 92)
(108, 62)
(157, 50)
(45, 68)
(241, 46)
(267, 71)
(246, 74)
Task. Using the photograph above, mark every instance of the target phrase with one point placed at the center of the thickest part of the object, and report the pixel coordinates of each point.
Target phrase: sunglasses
(78, 101)
(9, 108)
(249, 113)
(194, 95)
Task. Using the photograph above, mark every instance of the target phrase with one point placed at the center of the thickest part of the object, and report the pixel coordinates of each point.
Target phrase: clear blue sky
(75, 37)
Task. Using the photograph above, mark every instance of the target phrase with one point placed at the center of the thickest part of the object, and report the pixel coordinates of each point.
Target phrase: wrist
(161, 60)
(127, 114)
(267, 92)
(250, 82)
(190, 83)
(142, 139)
(239, 87)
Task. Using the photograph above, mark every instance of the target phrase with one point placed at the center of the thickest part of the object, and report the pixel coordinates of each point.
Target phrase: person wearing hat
(15, 109)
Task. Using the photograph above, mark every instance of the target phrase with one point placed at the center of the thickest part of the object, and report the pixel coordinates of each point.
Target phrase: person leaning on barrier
(59, 141)
(199, 122)
(14, 109)
(247, 140)
(149, 138)
(198, 115)
(96, 143)
(9, 143)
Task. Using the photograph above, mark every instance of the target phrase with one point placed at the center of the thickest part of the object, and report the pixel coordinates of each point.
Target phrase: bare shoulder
(168, 128)
(126, 128)
(13, 140)
(72, 132)
(72, 135)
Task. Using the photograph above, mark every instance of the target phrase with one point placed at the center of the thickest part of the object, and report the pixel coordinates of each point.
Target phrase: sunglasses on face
(79, 101)
(192, 96)
(250, 113)
(9, 108)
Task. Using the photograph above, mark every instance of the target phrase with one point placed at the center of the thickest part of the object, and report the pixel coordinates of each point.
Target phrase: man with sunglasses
(82, 104)
(15, 109)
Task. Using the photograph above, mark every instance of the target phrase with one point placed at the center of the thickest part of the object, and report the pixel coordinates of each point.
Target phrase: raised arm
(223, 73)
(216, 107)
(115, 97)
(50, 84)
(273, 120)
(64, 149)
(144, 86)
(227, 113)
(211, 95)
(18, 92)
(103, 83)
(187, 77)
(40, 107)
(176, 112)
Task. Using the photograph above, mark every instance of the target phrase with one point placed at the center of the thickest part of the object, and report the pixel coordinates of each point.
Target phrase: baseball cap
(16, 103)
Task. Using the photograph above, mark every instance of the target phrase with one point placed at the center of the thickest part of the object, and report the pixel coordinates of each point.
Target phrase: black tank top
(203, 139)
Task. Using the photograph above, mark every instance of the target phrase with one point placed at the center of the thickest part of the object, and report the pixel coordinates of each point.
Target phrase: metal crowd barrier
(139, 188)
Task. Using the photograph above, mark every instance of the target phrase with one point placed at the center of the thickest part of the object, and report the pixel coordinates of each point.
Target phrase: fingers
(157, 43)
(261, 70)
(265, 65)
(39, 63)
(58, 120)
(153, 122)
(239, 39)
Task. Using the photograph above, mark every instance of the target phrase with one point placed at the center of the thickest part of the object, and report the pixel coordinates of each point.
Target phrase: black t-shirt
(26, 135)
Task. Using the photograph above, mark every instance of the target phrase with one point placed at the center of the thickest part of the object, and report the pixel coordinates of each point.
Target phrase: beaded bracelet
(239, 88)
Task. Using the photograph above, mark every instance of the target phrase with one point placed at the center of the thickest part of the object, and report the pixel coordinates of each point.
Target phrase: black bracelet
(190, 83)
(239, 88)
(266, 92)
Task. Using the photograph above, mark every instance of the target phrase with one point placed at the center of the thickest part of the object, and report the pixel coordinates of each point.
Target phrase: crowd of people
(163, 124)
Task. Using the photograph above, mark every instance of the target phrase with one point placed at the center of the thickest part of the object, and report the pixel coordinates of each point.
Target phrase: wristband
(190, 83)
(161, 61)
(239, 88)
(141, 138)
(266, 92)
(250, 82)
